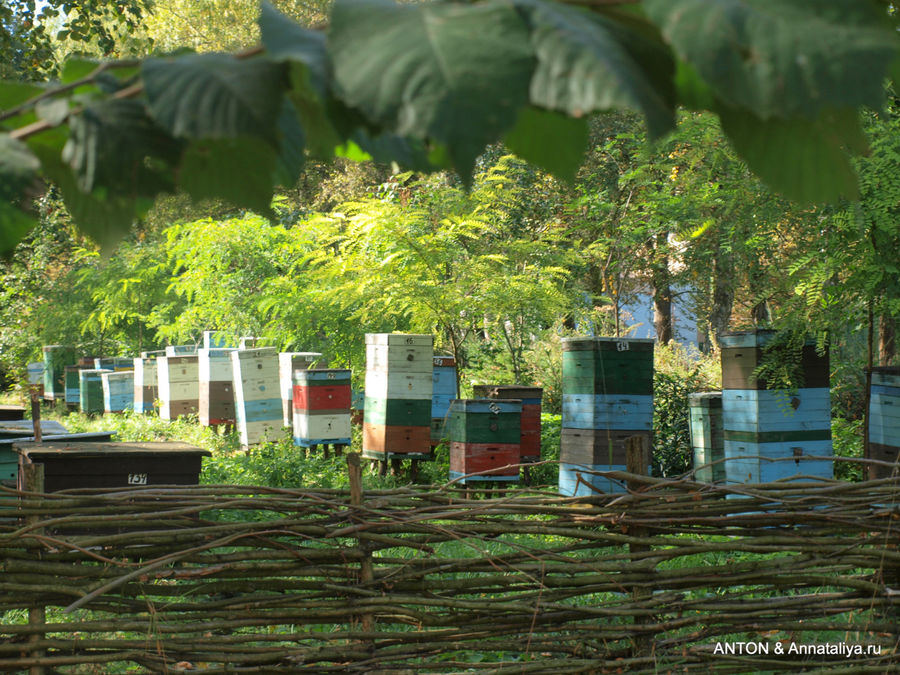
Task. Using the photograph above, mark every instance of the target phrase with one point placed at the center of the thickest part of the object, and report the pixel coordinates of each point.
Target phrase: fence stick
(33, 479)
(637, 459)
(356, 499)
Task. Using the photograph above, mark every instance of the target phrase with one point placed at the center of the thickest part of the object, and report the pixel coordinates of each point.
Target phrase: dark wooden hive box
(113, 465)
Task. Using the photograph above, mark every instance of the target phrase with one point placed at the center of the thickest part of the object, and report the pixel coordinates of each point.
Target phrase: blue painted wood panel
(752, 462)
(571, 486)
(599, 411)
(260, 410)
(764, 411)
(440, 405)
(444, 381)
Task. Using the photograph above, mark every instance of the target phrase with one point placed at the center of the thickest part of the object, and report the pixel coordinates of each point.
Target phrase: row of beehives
(760, 436)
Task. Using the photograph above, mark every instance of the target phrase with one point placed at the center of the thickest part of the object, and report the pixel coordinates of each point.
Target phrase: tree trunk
(887, 344)
(662, 290)
(722, 294)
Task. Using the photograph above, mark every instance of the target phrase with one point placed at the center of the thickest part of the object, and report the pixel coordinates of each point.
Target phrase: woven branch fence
(674, 577)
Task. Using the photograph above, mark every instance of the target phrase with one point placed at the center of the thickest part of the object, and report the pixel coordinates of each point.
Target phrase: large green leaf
(286, 40)
(18, 172)
(454, 73)
(215, 95)
(238, 170)
(16, 93)
(114, 144)
(291, 146)
(589, 62)
(806, 160)
(104, 215)
(783, 59)
(550, 140)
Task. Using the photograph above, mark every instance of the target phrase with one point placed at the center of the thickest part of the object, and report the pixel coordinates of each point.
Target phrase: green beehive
(607, 366)
(91, 385)
(56, 358)
(485, 421)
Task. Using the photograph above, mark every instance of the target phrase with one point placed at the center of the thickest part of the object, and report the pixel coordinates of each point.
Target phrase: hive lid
(36, 451)
(407, 339)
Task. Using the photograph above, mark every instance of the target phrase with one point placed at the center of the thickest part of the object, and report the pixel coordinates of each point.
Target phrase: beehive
(146, 381)
(216, 386)
(884, 421)
(707, 437)
(91, 390)
(531, 414)
(73, 465)
(762, 426)
(73, 386)
(117, 363)
(399, 378)
(56, 358)
(321, 407)
(443, 390)
(35, 372)
(288, 362)
(607, 398)
(257, 394)
(178, 385)
(484, 439)
(118, 391)
(10, 430)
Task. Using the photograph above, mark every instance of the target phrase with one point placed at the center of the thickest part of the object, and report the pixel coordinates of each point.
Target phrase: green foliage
(847, 440)
(397, 81)
(676, 374)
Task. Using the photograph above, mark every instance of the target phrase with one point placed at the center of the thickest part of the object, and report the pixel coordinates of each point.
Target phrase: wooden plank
(585, 411)
(485, 421)
(443, 381)
(596, 446)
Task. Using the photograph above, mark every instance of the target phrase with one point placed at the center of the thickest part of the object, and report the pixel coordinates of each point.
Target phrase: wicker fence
(675, 577)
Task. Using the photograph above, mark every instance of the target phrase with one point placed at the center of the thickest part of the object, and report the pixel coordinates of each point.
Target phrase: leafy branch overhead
(429, 85)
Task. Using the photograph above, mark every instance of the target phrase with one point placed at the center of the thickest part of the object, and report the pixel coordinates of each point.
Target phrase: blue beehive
(884, 421)
(118, 391)
(607, 398)
(771, 434)
(443, 391)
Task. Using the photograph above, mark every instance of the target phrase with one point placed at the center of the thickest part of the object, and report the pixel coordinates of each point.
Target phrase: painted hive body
(884, 421)
(19, 429)
(181, 350)
(607, 398)
(118, 391)
(179, 385)
(146, 381)
(91, 385)
(707, 437)
(443, 390)
(485, 439)
(321, 406)
(216, 388)
(117, 363)
(257, 395)
(36, 376)
(531, 413)
(762, 426)
(398, 395)
(73, 386)
(11, 413)
(73, 465)
(288, 362)
(56, 358)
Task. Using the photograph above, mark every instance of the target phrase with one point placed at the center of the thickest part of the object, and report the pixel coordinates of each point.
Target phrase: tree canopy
(428, 86)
